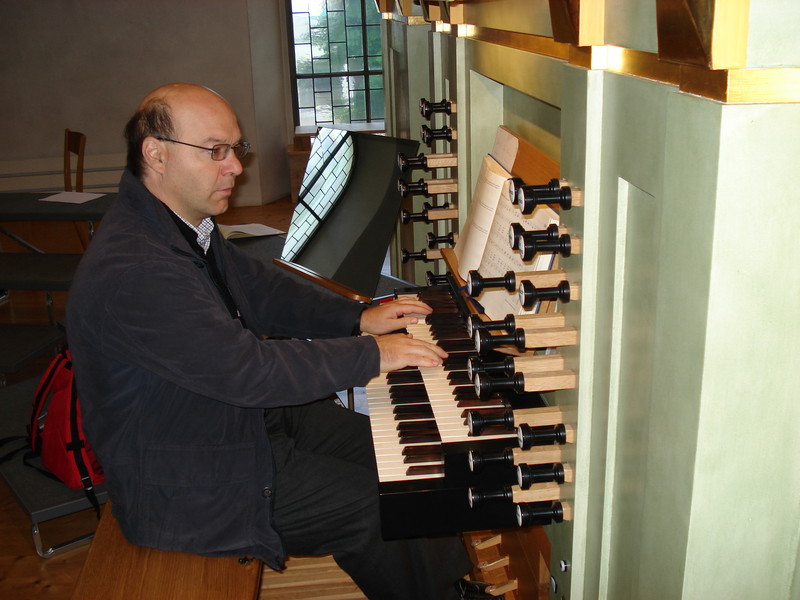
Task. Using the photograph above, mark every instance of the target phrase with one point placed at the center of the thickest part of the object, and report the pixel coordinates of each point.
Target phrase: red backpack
(56, 430)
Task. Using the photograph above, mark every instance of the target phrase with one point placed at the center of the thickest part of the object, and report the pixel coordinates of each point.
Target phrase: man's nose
(232, 165)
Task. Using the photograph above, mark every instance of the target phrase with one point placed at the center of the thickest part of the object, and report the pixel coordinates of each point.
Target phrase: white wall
(85, 64)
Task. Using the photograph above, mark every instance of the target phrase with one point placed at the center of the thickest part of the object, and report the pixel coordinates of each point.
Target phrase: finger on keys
(393, 316)
(398, 351)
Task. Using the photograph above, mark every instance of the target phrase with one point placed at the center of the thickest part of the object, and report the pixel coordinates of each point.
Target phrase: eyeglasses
(218, 151)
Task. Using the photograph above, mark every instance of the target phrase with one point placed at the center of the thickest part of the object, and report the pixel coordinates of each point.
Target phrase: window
(337, 62)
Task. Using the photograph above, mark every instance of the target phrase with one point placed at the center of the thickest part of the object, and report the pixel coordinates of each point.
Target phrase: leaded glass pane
(324, 108)
(335, 5)
(355, 42)
(319, 19)
(299, 5)
(336, 29)
(308, 117)
(319, 42)
(376, 104)
(305, 92)
(323, 65)
(341, 114)
(358, 106)
(341, 94)
(353, 10)
(373, 40)
(373, 16)
(322, 84)
(300, 26)
(338, 58)
(356, 83)
(302, 59)
(355, 64)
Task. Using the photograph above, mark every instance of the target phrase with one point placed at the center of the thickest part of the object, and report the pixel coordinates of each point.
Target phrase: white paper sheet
(71, 197)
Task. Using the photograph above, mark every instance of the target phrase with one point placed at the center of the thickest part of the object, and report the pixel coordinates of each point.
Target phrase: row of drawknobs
(532, 364)
(430, 187)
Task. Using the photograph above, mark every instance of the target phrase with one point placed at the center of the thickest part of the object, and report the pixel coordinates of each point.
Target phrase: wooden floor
(25, 576)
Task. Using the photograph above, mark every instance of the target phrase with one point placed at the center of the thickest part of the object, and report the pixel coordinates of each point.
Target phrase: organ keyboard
(423, 441)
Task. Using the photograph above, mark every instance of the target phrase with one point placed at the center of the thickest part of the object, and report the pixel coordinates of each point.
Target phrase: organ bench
(117, 570)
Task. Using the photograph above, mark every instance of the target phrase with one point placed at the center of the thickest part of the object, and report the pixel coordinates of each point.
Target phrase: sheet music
(475, 234)
(484, 242)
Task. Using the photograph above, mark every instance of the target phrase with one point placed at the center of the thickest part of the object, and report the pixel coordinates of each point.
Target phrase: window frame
(366, 73)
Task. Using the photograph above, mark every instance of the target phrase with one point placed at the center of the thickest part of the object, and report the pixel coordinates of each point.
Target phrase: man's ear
(154, 153)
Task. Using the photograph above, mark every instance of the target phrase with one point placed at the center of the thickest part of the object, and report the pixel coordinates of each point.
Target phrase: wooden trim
(325, 282)
(702, 33)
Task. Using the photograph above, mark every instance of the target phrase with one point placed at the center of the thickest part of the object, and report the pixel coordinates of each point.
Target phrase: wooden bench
(117, 570)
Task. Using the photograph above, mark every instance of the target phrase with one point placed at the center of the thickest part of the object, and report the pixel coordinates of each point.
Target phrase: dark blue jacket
(173, 388)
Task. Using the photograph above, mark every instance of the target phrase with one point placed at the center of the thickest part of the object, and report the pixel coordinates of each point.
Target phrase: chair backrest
(74, 143)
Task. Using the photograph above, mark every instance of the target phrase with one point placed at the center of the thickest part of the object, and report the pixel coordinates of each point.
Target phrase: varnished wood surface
(117, 570)
(25, 576)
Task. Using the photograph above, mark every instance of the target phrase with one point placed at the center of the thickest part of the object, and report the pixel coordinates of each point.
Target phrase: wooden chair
(74, 143)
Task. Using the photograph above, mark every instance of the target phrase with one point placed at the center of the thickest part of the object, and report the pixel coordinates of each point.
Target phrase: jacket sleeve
(169, 321)
(286, 305)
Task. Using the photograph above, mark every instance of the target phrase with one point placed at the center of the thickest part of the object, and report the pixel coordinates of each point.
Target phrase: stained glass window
(338, 67)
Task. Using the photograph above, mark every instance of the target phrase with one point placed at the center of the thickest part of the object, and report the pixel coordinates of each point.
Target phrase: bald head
(165, 112)
(171, 141)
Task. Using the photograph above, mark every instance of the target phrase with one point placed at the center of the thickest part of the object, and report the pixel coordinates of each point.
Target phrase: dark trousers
(326, 501)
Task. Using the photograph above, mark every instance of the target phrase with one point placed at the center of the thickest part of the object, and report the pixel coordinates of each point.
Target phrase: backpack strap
(39, 399)
(76, 445)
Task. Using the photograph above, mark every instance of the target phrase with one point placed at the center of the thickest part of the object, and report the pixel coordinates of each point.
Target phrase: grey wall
(85, 64)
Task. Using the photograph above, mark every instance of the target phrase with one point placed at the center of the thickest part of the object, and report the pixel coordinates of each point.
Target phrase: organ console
(470, 446)
(424, 446)
(634, 114)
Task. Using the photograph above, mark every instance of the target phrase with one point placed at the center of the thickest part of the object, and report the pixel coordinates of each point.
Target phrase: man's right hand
(400, 350)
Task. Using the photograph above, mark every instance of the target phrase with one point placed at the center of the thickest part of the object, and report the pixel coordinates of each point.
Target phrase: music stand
(347, 211)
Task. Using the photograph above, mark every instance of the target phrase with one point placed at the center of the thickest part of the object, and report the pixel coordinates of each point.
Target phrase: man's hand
(401, 350)
(393, 316)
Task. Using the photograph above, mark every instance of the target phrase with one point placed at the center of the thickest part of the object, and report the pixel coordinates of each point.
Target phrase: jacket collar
(142, 202)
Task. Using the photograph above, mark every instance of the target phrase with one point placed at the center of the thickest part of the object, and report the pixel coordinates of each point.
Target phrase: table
(22, 343)
(33, 271)
(27, 206)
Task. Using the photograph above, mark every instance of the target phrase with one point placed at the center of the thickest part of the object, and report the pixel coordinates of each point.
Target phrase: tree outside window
(337, 62)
